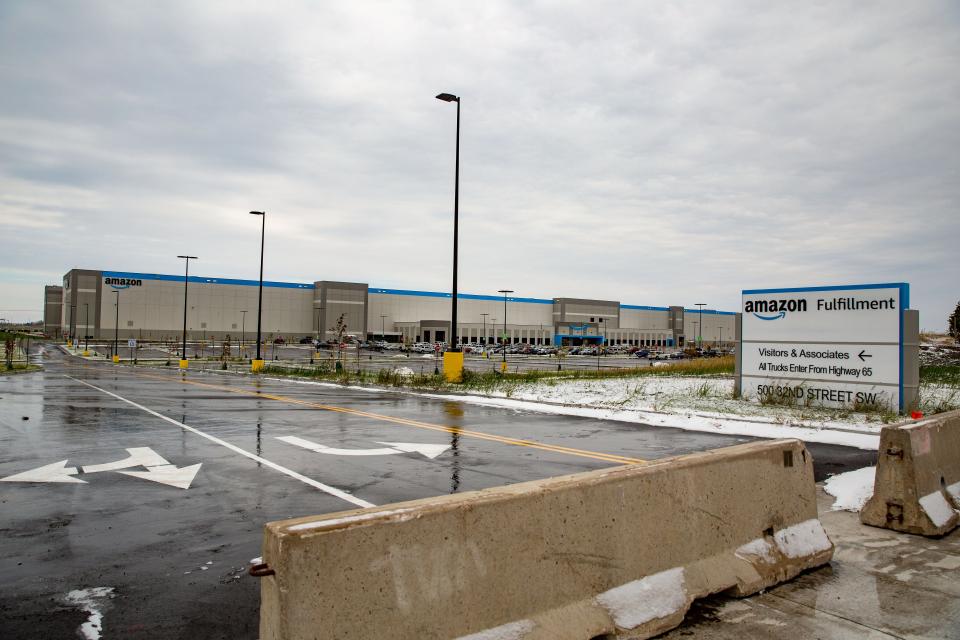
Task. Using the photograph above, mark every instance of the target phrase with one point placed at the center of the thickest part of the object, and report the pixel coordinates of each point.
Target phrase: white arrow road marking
(56, 472)
(158, 468)
(139, 457)
(428, 450)
(343, 495)
(168, 474)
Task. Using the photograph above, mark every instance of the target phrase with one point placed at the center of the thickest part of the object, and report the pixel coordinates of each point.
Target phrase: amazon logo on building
(123, 283)
(773, 309)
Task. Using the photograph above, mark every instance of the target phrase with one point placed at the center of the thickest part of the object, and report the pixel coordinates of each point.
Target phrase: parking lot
(209, 355)
(145, 490)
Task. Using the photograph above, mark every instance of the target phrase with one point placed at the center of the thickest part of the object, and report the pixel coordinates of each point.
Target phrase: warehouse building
(150, 306)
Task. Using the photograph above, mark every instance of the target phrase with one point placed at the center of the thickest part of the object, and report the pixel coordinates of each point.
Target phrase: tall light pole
(243, 332)
(382, 316)
(72, 325)
(186, 278)
(86, 327)
(449, 97)
(316, 346)
(701, 305)
(505, 292)
(258, 363)
(484, 327)
(116, 327)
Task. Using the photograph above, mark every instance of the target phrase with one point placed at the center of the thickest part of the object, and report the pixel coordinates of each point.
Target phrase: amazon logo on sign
(773, 309)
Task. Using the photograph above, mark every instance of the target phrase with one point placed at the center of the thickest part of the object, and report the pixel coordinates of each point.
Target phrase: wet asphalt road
(176, 558)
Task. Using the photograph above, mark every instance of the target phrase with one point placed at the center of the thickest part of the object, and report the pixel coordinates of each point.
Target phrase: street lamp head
(258, 213)
(188, 257)
(505, 291)
(448, 97)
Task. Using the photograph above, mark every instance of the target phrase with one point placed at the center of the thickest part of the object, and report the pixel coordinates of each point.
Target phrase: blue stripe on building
(372, 290)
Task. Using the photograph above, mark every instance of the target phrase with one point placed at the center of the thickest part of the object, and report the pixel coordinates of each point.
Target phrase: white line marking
(339, 493)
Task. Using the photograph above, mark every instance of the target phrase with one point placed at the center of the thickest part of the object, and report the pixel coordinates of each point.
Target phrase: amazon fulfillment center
(151, 307)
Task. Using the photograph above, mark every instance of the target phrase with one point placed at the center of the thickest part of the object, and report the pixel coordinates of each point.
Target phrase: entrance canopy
(576, 340)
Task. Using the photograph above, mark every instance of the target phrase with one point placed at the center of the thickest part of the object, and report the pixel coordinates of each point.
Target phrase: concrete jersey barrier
(917, 485)
(619, 552)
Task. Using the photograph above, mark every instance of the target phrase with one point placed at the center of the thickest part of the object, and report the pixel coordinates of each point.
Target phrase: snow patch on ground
(704, 404)
(851, 489)
(509, 631)
(686, 421)
(937, 508)
(646, 599)
(804, 539)
(90, 601)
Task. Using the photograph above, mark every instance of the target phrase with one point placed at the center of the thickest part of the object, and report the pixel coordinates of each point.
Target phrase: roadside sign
(131, 343)
(836, 346)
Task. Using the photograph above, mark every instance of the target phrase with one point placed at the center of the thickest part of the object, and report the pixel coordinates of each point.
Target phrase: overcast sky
(652, 153)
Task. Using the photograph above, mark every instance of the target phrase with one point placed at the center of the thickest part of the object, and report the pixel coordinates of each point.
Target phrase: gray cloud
(656, 154)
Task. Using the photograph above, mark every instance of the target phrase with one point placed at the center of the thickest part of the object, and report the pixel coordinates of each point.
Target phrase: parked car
(306, 340)
(279, 340)
(641, 353)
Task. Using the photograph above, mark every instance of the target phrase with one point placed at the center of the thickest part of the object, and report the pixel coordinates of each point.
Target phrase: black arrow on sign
(864, 355)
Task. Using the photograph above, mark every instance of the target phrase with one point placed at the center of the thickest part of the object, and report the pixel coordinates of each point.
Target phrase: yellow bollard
(453, 366)
(183, 363)
(503, 367)
(256, 366)
(85, 353)
(116, 359)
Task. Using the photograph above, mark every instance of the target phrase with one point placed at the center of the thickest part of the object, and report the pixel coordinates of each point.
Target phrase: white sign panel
(131, 343)
(826, 346)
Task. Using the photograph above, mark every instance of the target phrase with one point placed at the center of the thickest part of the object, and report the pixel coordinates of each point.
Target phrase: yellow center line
(596, 455)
